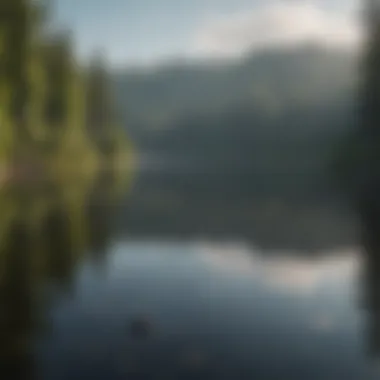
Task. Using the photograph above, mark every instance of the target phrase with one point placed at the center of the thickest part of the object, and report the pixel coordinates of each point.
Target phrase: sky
(135, 32)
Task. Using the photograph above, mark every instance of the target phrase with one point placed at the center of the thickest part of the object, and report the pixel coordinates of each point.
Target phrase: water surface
(225, 285)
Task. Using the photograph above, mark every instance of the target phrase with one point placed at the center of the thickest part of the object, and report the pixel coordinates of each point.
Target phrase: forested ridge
(272, 123)
(56, 113)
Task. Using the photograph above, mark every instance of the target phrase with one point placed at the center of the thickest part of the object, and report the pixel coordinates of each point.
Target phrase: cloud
(282, 273)
(304, 277)
(276, 24)
(230, 258)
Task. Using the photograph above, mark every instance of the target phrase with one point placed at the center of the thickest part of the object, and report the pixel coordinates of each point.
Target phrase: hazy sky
(147, 31)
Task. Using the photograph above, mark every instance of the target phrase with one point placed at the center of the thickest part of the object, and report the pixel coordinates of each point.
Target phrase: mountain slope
(279, 115)
(273, 81)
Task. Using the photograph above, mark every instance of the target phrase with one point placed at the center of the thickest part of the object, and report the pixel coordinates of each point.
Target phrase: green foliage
(45, 109)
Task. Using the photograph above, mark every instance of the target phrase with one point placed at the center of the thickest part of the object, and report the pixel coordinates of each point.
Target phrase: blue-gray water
(217, 312)
(230, 287)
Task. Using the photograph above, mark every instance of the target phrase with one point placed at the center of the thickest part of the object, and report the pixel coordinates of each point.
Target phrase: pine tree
(99, 107)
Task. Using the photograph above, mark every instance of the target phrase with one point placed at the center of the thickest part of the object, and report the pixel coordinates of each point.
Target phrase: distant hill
(274, 81)
(282, 112)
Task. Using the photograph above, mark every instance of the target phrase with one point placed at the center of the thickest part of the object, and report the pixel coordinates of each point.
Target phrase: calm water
(223, 285)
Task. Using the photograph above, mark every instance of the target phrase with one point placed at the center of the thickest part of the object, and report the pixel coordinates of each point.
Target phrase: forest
(57, 115)
(297, 122)
(270, 124)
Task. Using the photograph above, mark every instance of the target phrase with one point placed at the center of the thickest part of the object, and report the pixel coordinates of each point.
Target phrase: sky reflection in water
(216, 309)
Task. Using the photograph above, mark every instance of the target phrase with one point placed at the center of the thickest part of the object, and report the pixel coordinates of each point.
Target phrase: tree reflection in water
(44, 234)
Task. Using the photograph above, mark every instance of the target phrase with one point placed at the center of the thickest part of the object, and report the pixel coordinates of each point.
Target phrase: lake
(180, 277)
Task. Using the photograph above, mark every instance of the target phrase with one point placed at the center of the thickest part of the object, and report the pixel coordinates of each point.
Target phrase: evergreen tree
(99, 112)
(51, 111)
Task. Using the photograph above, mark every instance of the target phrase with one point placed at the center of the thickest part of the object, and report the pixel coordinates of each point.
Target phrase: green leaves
(44, 95)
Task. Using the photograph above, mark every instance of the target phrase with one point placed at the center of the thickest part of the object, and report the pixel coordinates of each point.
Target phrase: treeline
(357, 166)
(54, 112)
(270, 124)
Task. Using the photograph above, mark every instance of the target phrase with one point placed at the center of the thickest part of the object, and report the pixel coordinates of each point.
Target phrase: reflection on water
(160, 283)
(45, 234)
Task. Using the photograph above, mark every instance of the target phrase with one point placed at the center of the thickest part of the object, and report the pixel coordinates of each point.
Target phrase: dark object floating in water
(141, 328)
